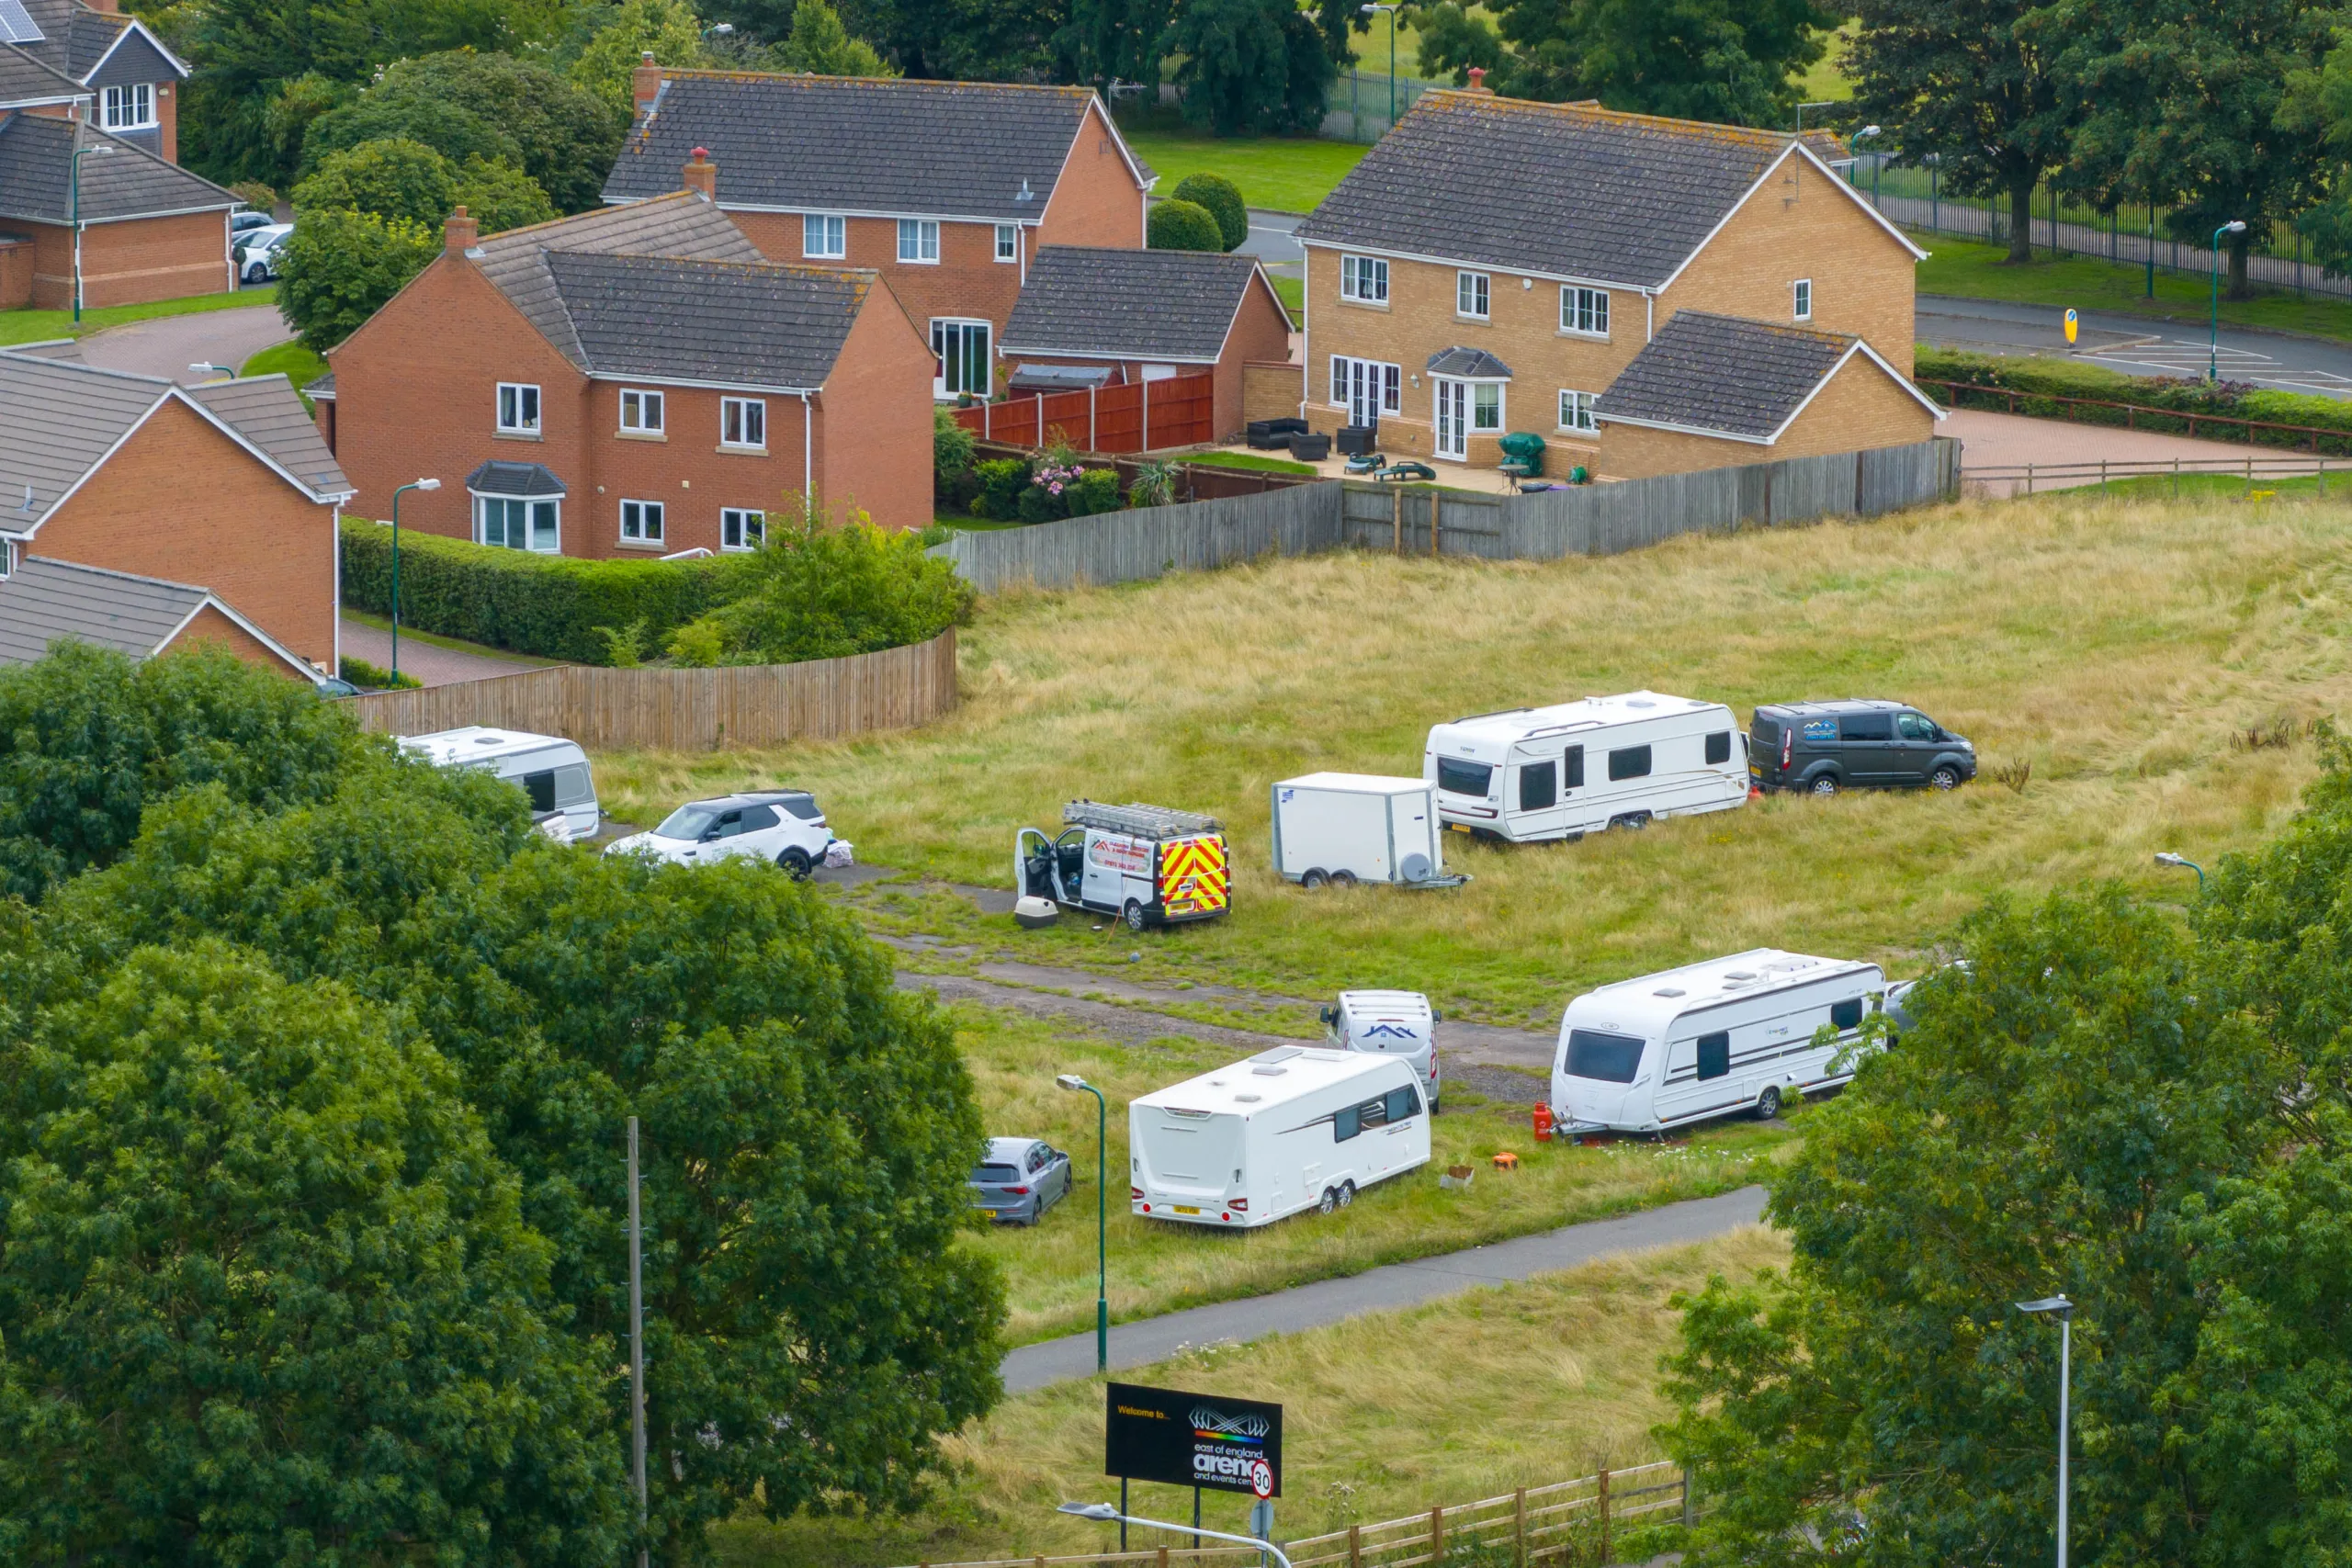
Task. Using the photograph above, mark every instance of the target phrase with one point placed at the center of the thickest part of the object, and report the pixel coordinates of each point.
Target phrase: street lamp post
(206, 368)
(2213, 351)
(1859, 136)
(1391, 12)
(2063, 1311)
(1103, 1513)
(74, 179)
(1075, 1084)
(412, 484)
(2165, 857)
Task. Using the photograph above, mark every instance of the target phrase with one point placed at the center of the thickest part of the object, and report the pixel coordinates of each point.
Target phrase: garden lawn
(1982, 272)
(1157, 1266)
(297, 361)
(1252, 461)
(1383, 1417)
(39, 326)
(2114, 646)
(1280, 174)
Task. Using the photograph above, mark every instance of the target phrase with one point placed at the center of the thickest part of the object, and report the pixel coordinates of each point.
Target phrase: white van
(1288, 1128)
(1575, 768)
(1708, 1039)
(552, 771)
(1395, 1024)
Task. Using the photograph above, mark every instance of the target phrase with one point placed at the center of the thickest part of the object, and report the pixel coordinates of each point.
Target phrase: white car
(258, 250)
(780, 825)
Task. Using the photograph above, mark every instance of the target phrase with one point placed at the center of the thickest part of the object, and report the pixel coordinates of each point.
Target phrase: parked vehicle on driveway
(784, 826)
(245, 222)
(1577, 767)
(1728, 1036)
(1146, 864)
(256, 252)
(1394, 1023)
(1852, 743)
(1019, 1179)
(551, 771)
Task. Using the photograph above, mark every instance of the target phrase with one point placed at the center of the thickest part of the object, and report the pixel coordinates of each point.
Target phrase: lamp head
(1071, 1081)
(1866, 130)
(724, 30)
(428, 484)
(2058, 1306)
(2165, 857)
(1101, 1513)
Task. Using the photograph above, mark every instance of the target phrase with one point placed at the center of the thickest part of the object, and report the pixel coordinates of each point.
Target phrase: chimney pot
(1478, 78)
(702, 175)
(645, 83)
(458, 233)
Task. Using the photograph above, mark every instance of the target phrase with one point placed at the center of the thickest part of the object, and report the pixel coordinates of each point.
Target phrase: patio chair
(1369, 463)
(1396, 473)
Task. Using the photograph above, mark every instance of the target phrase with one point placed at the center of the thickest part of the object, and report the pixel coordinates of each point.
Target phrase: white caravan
(1707, 1038)
(1288, 1128)
(1575, 768)
(551, 771)
(1344, 828)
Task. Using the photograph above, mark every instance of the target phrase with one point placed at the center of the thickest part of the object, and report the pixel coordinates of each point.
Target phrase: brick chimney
(645, 84)
(1478, 78)
(108, 7)
(702, 175)
(458, 233)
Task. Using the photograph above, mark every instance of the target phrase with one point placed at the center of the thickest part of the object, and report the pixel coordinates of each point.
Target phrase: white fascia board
(141, 28)
(619, 379)
(725, 205)
(1801, 149)
(325, 498)
(1119, 356)
(143, 216)
(214, 601)
(1607, 418)
(1487, 266)
(1134, 164)
(1844, 359)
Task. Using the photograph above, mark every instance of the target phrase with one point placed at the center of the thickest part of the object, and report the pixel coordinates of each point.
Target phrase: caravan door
(1532, 791)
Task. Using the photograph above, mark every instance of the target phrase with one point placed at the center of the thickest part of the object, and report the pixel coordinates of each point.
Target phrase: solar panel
(17, 24)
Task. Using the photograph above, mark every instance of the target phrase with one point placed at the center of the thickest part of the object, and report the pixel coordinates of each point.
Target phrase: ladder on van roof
(1142, 821)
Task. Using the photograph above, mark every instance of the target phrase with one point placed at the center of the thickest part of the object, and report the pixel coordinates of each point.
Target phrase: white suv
(780, 825)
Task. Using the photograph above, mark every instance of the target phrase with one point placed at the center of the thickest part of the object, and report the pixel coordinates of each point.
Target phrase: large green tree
(1250, 67)
(2319, 105)
(1713, 59)
(340, 265)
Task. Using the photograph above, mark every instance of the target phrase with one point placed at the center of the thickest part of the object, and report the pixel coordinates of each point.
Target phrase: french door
(962, 348)
(1452, 418)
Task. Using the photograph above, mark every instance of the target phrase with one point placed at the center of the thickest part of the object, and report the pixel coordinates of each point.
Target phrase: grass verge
(1292, 292)
(1155, 1267)
(297, 361)
(1382, 1416)
(1279, 174)
(38, 326)
(1251, 461)
(1982, 272)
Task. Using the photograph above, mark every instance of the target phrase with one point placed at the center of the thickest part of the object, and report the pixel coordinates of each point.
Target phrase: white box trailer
(1349, 828)
(1731, 1035)
(1576, 768)
(1293, 1128)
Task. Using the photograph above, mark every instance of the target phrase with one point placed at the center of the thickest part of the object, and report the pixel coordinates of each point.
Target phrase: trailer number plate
(1186, 1208)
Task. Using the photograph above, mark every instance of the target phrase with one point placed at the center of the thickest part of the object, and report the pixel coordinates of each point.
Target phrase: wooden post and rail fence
(1132, 416)
(1569, 1524)
(2140, 416)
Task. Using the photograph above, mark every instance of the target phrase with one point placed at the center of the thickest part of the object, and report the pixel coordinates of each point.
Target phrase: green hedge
(2159, 399)
(547, 606)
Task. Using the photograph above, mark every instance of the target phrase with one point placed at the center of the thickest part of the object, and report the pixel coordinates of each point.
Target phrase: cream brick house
(1495, 266)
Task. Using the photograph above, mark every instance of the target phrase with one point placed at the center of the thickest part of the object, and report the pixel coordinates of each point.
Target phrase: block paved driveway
(2004, 441)
(433, 666)
(168, 344)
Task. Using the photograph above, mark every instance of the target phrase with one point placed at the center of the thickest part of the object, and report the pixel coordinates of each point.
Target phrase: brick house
(1091, 318)
(1493, 265)
(947, 190)
(634, 380)
(131, 508)
(79, 75)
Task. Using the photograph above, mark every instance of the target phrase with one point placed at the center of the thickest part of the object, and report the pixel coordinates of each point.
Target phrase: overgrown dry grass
(2112, 646)
(1382, 1415)
(1155, 1267)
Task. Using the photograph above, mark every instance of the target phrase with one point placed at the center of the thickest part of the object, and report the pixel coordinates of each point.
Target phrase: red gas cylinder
(1543, 1122)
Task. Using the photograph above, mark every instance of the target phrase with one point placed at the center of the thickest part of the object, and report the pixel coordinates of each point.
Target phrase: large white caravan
(1708, 1039)
(1575, 768)
(1288, 1128)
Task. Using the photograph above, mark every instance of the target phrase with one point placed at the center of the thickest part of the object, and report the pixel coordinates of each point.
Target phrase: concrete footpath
(1382, 1290)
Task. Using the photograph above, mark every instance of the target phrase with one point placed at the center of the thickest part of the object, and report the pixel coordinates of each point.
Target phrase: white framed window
(918, 239)
(1584, 310)
(518, 409)
(1366, 388)
(743, 422)
(1008, 241)
(824, 235)
(130, 107)
(1486, 405)
(1575, 413)
(1804, 291)
(1470, 295)
(640, 411)
(741, 528)
(1364, 279)
(518, 523)
(641, 522)
(964, 364)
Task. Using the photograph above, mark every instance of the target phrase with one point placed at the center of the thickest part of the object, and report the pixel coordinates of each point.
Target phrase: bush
(951, 446)
(1221, 198)
(339, 266)
(1184, 226)
(1001, 482)
(1097, 490)
(821, 593)
(392, 179)
(549, 605)
(2063, 379)
(499, 197)
(375, 677)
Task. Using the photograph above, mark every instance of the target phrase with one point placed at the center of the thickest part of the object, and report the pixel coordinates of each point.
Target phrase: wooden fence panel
(1123, 547)
(688, 710)
(1181, 410)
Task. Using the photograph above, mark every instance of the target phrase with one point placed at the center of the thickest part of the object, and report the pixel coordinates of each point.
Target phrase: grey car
(1019, 1179)
(1820, 748)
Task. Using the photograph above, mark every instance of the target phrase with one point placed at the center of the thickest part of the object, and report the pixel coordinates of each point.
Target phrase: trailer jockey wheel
(1134, 915)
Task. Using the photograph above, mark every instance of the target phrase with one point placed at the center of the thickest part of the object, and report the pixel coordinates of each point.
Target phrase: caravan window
(1714, 1055)
(540, 787)
(571, 786)
(1574, 760)
(1464, 778)
(1537, 789)
(1847, 1014)
(1629, 763)
(1403, 1102)
(1609, 1058)
(1719, 747)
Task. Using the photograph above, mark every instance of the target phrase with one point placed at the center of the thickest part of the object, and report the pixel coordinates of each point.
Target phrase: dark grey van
(1853, 743)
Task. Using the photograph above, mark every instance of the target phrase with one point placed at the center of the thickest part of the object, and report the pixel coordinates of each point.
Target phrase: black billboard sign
(1193, 1439)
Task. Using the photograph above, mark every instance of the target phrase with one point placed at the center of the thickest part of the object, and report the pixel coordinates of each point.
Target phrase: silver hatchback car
(1019, 1179)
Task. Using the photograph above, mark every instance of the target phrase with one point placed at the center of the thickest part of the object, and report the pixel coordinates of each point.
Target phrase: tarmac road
(168, 345)
(2136, 346)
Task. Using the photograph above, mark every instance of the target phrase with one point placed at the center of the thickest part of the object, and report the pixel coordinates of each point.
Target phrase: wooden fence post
(1434, 495)
(1355, 1546)
(1145, 435)
(1163, 1558)
(1519, 1527)
(1603, 1557)
(1396, 517)
(1690, 1498)
(1437, 1535)
(1090, 421)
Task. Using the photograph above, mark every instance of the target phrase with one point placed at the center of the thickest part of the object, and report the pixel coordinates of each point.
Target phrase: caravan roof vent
(1248, 1099)
(1669, 991)
(1641, 703)
(1267, 1072)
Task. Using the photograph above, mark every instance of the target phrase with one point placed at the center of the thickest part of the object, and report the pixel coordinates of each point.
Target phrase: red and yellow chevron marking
(1192, 876)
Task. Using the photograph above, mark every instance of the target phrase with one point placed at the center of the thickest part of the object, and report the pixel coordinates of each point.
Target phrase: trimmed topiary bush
(1222, 199)
(1184, 226)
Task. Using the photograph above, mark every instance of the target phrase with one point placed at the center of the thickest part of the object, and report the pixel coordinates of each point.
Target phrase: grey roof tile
(127, 181)
(1570, 189)
(739, 323)
(44, 600)
(27, 78)
(1474, 364)
(321, 389)
(61, 418)
(942, 148)
(267, 411)
(500, 478)
(1722, 373)
(1133, 304)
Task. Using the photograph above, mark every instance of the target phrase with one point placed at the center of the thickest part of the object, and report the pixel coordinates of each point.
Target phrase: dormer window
(128, 107)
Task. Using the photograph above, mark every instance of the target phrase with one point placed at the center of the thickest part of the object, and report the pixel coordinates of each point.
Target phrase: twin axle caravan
(1577, 767)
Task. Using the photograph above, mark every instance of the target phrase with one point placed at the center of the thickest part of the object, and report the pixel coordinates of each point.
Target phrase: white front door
(1452, 418)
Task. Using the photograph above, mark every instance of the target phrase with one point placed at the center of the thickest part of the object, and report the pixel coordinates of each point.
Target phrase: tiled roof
(268, 412)
(737, 324)
(25, 78)
(114, 58)
(43, 601)
(1130, 304)
(940, 149)
(36, 164)
(679, 224)
(497, 478)
(73, 38)
(321, 389)
(1474, 364)
(1569, 190)
(1724, 374)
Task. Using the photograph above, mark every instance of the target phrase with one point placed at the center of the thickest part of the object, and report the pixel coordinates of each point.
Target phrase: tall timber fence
(1589, 520)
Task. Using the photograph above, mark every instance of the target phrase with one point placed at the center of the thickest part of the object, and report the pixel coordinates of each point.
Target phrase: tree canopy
(816, 592)
(1250, 67)
(1222, 198)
